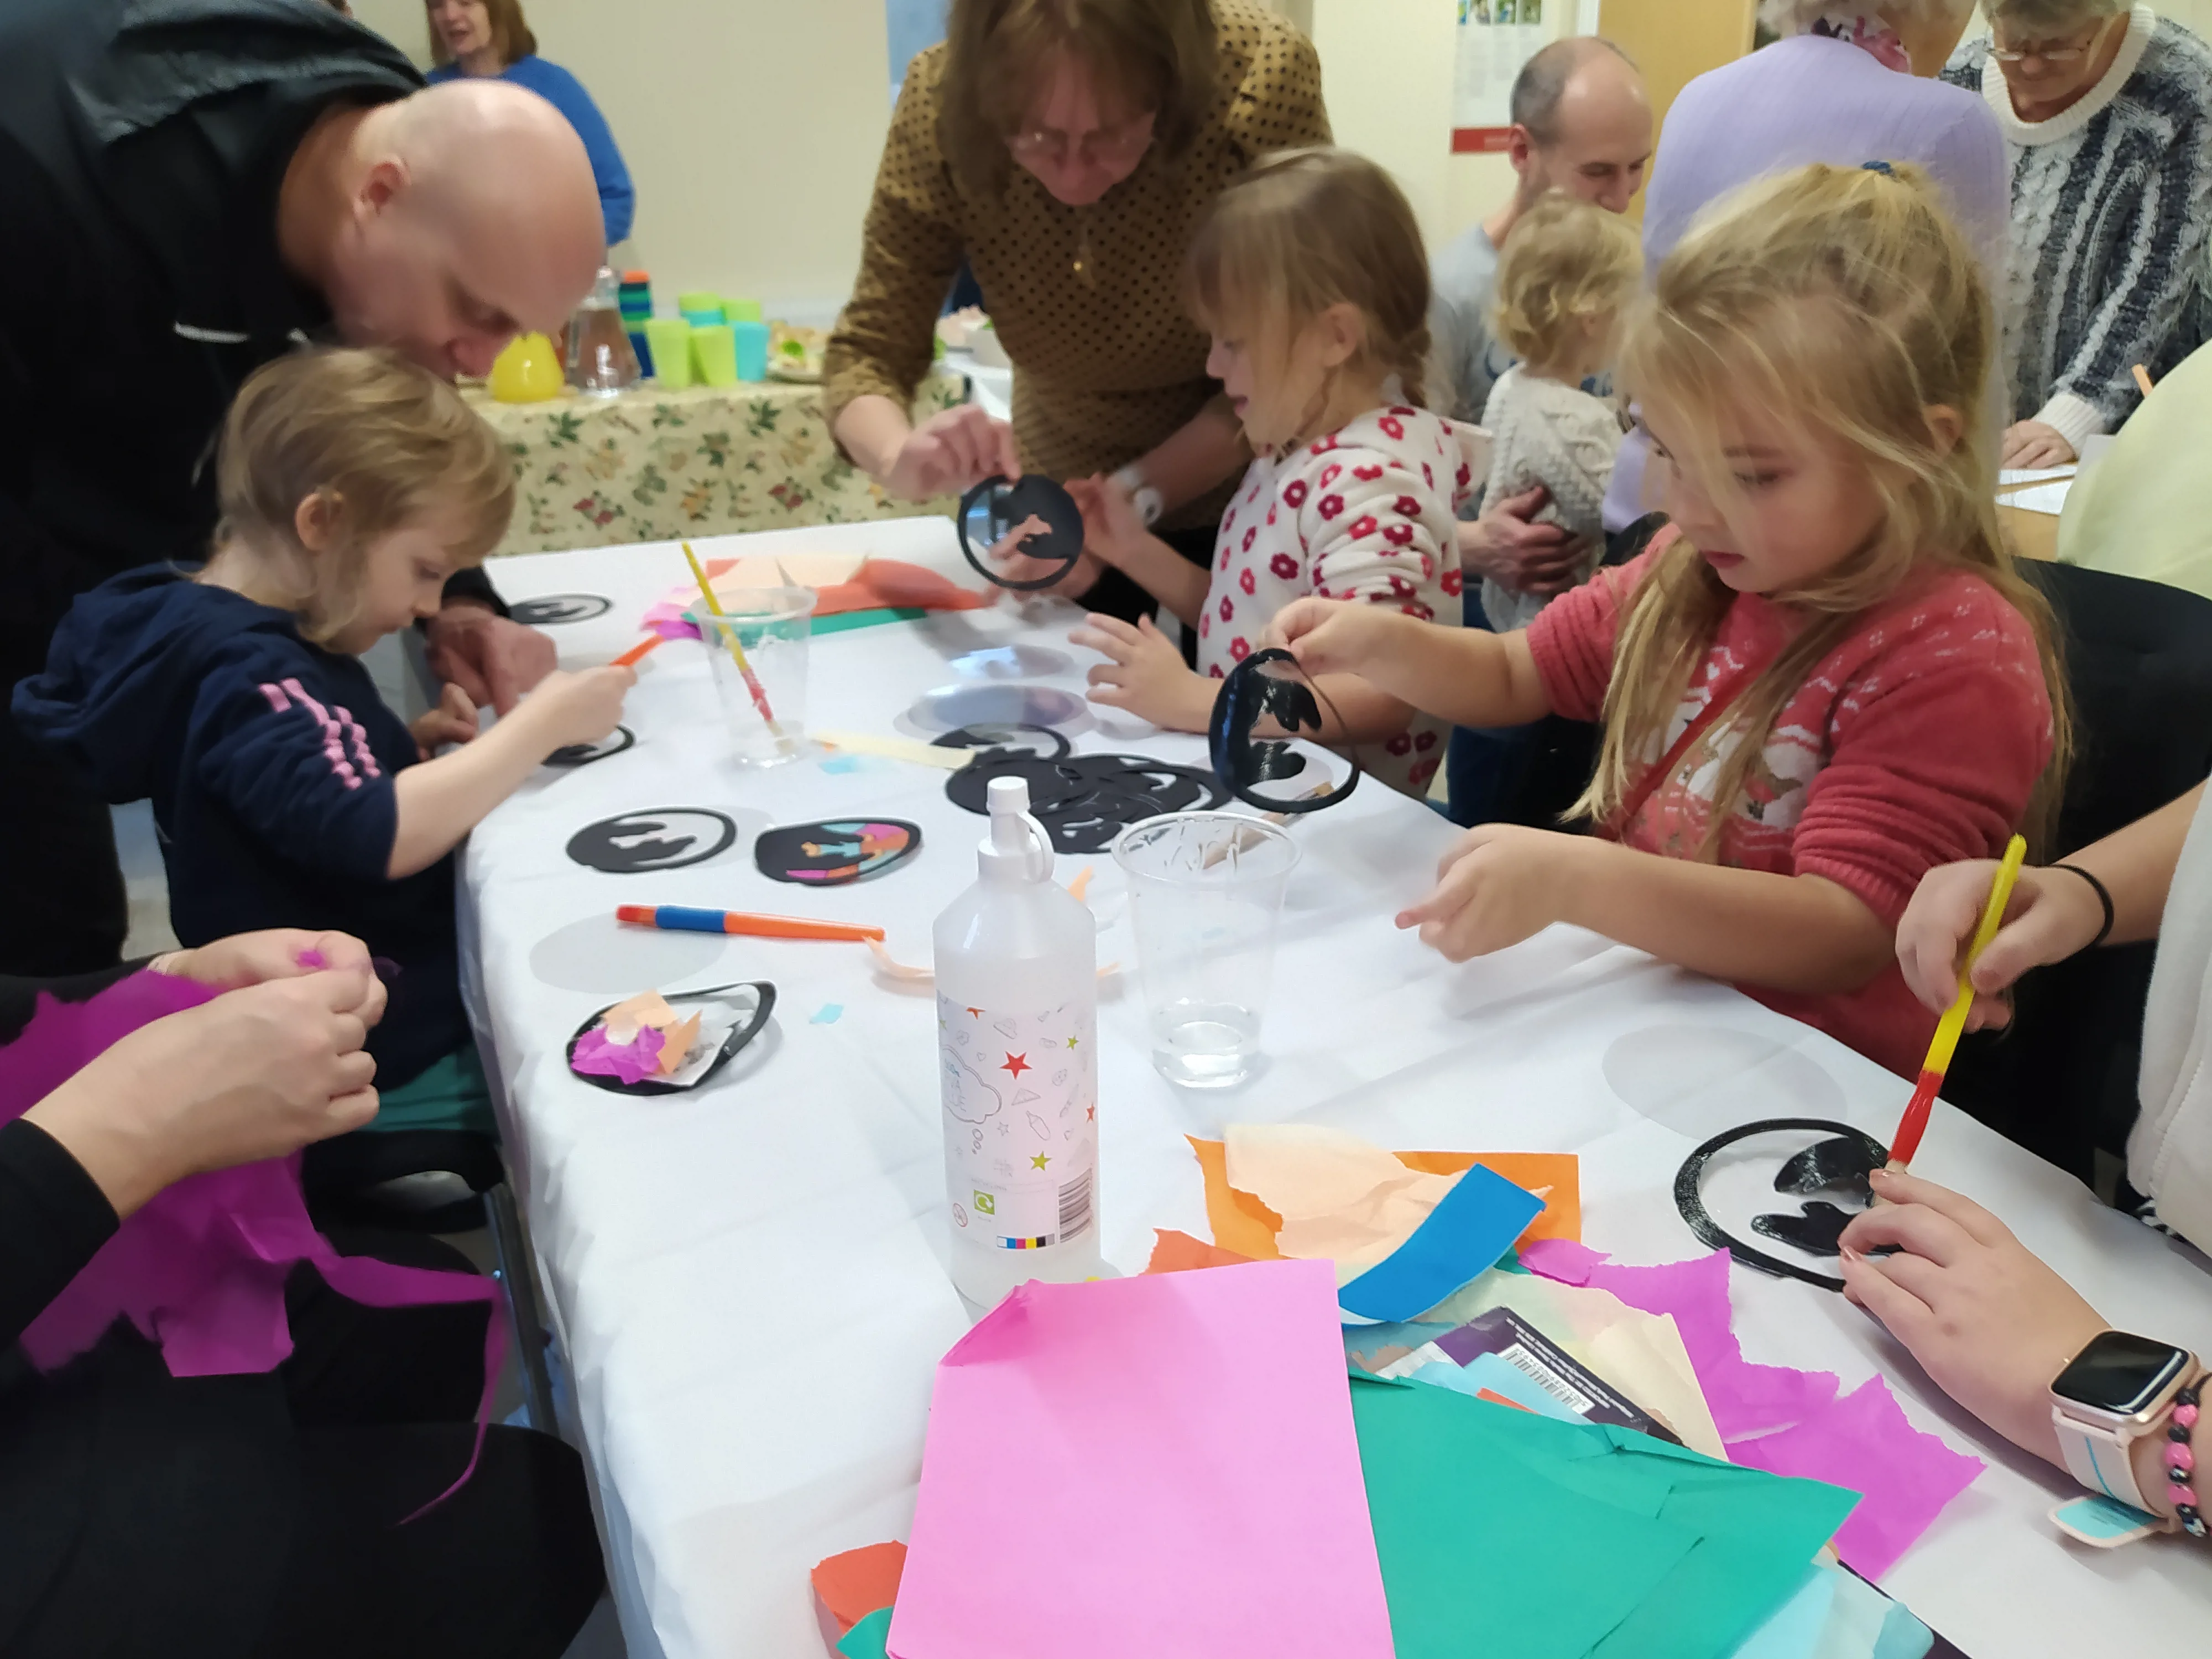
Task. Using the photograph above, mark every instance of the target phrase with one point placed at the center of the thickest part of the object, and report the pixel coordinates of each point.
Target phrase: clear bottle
(1017, 1039)
(600, 358)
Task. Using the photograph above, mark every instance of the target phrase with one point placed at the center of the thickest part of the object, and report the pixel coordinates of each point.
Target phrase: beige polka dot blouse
(1086, 301)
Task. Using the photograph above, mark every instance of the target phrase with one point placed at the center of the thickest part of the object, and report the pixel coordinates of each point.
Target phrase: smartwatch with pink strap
(2118, 1391)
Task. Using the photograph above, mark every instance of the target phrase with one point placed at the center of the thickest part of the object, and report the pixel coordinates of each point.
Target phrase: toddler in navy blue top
(287, 794)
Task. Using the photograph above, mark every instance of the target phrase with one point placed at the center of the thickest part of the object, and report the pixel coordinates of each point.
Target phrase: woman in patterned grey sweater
(2107, 117)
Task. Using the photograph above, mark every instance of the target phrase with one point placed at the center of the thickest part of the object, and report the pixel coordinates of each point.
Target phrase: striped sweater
(2111, 202)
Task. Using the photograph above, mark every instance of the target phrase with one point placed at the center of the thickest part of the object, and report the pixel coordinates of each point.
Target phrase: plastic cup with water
(1206, 897)
(771, 626)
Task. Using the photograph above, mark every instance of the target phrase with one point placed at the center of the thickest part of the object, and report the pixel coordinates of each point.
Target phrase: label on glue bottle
(1021, 1122)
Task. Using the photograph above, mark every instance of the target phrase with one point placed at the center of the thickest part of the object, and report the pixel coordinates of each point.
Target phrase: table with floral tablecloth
(649, 465)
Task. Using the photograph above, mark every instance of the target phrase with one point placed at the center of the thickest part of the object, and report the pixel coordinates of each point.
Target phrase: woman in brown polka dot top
(1068, 148)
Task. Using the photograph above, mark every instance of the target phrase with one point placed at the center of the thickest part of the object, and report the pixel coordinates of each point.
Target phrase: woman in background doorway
(490, 38)
(2106, 114)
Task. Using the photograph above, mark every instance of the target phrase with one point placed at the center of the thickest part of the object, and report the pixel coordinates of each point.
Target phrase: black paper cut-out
(553, 609)
(994, 509)
(1041, 741)
(658, 838)
(1084, 801)
(835, 851)
(1813, 1229)
(1842, 1163)
(583, 754)
(1269, 772)
(754, 1000)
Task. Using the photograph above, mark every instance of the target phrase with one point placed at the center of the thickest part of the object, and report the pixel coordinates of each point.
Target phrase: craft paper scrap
(1176, 1252)
(1242, 1222)
(1794, 1631)
(1863, 1441)
(1375, 1348)
(1640, 1354)
(1215, 1516)
(866, 1639)
(632, 1059)
(891, 748)
(1477, 1222)
(1745, 1399)
(1674, 1556)
(854, 1584)
(1342, 1199)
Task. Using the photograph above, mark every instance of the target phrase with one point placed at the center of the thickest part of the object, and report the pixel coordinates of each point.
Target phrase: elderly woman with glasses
(1068, 148)
(2107, 119)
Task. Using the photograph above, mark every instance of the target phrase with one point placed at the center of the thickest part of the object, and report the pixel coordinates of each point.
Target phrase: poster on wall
(1495, 38)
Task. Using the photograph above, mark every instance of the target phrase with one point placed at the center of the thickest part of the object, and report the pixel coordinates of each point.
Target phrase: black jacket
(142, 143)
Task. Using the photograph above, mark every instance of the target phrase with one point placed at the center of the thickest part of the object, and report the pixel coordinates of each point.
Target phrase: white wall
(751, 129)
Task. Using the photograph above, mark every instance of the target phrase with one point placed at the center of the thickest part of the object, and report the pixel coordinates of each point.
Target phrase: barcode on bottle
(1075, 1206)
(1548, 1380)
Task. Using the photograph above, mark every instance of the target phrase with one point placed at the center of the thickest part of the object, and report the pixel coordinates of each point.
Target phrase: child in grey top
(1567, 271)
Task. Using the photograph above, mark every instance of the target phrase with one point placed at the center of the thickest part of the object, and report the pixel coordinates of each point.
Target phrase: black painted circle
(583, 754)
(1008, 505)
(555, 609)
(596, 845)
(781, 854)
(1008, 740)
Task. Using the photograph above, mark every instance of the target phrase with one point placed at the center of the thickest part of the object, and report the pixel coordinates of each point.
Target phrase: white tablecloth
(749, 1282)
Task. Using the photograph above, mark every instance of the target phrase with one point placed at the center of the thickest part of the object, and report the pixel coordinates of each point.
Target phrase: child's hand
(2051, 915)
(1111, 528)
(1145, 674)
(571, 708)
(454, 720)
(1334, 636)
(1989, 1321)
(1500, 884)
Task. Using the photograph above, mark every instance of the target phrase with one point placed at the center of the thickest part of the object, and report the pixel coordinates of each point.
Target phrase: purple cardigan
(1812, 99)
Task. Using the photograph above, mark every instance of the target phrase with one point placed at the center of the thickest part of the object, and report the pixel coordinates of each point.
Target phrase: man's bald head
(469, 214)
(1582, 123)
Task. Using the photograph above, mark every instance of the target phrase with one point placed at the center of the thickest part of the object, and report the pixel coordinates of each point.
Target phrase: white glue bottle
(1017, 1039)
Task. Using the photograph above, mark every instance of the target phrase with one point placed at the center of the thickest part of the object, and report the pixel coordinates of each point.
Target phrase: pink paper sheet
(1862, 1442)
(1745, 1399)
(1157, 1466)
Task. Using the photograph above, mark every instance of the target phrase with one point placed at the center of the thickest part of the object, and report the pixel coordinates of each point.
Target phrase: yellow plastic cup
(713, 354)
(740, 310)
(669, 339)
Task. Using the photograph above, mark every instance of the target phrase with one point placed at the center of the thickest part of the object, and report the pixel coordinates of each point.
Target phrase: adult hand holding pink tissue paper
(199, 1261)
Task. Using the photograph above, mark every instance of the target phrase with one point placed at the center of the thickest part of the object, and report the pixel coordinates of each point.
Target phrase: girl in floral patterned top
(1310, 276)
(1825, 680)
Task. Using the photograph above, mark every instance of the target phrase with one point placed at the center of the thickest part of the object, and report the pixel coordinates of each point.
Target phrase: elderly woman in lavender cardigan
(2106, 113)
(1849, 82)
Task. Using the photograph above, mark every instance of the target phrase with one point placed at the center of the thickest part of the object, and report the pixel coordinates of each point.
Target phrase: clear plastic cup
(765, 708)
(1206, 896)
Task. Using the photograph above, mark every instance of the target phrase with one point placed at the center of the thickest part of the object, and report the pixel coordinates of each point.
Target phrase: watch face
(2120, 1374)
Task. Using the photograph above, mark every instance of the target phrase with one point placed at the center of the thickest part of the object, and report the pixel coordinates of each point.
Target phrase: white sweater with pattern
(2112, 200)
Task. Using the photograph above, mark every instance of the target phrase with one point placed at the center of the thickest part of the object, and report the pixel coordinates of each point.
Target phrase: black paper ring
(1008, 740)
(739, 1038)
(1248, 696)
(1032, 494)
(1689, 1197)
(595, 844)
(553, 610)
(583, 754)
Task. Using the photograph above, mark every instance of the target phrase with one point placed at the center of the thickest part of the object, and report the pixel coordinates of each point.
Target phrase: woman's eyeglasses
(2047, 52)
(1102, 146)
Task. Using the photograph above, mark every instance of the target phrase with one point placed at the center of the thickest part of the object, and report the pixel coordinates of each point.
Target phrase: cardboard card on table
(1101, 1477)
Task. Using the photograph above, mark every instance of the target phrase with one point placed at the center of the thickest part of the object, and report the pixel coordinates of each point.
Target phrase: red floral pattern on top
(1346, 518)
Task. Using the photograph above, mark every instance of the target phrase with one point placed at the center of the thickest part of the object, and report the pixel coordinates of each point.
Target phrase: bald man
(1582, 124)
(189, 188)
